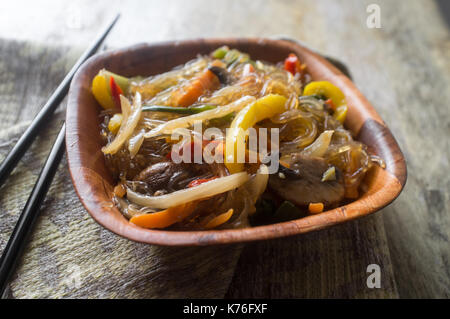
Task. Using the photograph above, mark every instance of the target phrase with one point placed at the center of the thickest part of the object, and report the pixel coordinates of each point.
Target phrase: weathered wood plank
(404, 70)
(416, 64)
(331, 263)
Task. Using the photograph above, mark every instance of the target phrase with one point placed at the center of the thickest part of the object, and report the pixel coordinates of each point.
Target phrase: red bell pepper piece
(292, 64)
(115, 92)
(199, 181)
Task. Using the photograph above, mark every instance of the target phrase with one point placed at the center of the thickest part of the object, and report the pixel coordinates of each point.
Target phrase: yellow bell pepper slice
(263, 108)
(101, 89)
(115, 122)
(330, 91)
(341, 113)
(101, 92)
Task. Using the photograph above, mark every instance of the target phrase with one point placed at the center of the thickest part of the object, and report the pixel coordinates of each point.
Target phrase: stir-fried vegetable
(102, 93)
(205, 190)
(329, 175)
(320, 145)
(315, 208)
(332, 92)
(263, 108)
(199, 181)
(154, 87)
(107, 87)
(189, 94)
(114, 123)
(116, 92)
(164, 218)
(146, 119)
(292, 64)
(341, 113)
(219, 220)
(235, 56)
(326, 89)
(182, 122)
(131, 115)
(220, 52)
(178, 110)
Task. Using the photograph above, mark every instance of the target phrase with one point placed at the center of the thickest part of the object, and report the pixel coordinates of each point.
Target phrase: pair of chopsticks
(30, 212)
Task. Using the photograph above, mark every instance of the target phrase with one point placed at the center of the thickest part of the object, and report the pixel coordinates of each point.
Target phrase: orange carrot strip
(120, 190)
(315, 208)
(164, 218)
(284, 163)
(331, 104)
(218, 63)
(189, 94)
(219, 220)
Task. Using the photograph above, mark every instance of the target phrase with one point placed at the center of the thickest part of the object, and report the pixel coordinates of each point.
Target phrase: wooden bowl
(93, 181)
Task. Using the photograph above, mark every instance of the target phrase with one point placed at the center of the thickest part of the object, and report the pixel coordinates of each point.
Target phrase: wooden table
(403, 68)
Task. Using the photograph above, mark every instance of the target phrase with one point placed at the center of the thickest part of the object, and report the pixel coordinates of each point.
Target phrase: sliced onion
(134, 144)
(208, 189)
(320, 145)
(131, 115)
(186, 121)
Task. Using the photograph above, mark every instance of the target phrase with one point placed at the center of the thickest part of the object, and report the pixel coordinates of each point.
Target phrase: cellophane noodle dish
(225, 141)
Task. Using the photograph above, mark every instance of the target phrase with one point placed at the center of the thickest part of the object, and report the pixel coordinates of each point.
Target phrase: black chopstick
(18, 238)
(30, 212)
(46, 112)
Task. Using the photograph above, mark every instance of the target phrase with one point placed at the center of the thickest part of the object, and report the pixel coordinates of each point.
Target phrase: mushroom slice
(302, 184)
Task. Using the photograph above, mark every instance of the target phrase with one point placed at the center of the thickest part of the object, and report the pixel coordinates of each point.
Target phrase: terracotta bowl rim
(228, 236)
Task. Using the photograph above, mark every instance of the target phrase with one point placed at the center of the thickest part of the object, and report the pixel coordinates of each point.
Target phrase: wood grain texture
(402, 68)
(331, 263)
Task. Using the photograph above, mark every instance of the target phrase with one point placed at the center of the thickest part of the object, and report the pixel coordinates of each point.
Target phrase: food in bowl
(224, 141)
